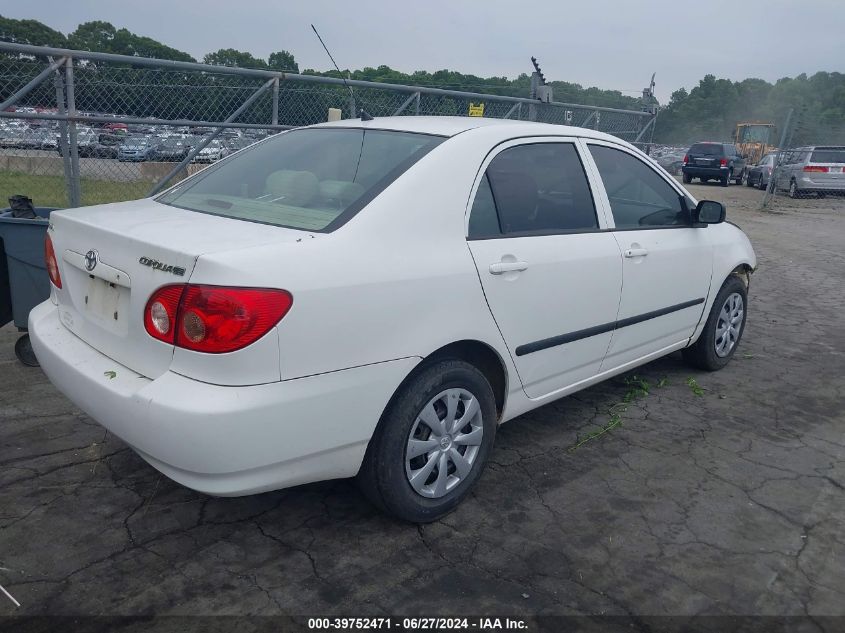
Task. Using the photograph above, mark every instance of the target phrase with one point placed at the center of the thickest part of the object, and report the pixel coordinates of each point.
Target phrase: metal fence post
(75, 189)
(62, 144)
(353, 109)
(275, 119)
(417, 107)
(772, 187)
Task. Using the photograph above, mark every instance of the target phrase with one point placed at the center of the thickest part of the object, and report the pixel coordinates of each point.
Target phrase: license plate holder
(102, 300)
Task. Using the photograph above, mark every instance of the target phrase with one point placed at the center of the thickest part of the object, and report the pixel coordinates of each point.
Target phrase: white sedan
(373, 298)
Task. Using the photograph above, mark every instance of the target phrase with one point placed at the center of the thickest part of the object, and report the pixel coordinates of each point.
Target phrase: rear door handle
(506, 267)
(636, 252)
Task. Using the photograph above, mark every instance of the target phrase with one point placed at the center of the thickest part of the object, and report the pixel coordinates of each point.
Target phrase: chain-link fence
(80, 128)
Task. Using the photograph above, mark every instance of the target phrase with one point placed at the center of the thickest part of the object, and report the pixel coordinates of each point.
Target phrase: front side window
(639, 198)
(536, 188)
(309, 179)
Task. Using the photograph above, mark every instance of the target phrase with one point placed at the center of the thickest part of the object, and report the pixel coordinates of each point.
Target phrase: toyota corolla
(372, 298)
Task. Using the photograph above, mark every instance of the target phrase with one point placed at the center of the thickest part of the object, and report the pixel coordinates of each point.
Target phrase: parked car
(673, 162)
(713, 161)
(212, 152)
(118, 128)
(817, 169)
(174, 148)
(374, 298)
(86, 144)
(759, 175)
(135, 148)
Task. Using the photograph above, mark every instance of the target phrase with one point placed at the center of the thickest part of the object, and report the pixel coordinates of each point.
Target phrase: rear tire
(794, 192)
(746, 179)
(424, 487)
(687, 179)
(740, 178)
(726, 179)
(723, 330)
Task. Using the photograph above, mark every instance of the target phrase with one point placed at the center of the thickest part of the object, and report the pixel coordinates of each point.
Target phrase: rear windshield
(311, 179)
(708, 149)
(832, 155)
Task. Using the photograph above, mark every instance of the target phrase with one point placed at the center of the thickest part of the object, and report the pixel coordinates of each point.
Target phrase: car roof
(453, 125)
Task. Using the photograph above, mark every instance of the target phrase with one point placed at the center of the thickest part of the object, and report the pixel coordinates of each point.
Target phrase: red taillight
(161, 311)
(723, 162)
(52, 263)
(686, 159)
(214, 319)
(817, 168)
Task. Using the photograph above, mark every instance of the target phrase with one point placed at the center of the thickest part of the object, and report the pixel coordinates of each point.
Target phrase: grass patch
(637, 388)
(697, 389)
(615, 421)
(50, 191)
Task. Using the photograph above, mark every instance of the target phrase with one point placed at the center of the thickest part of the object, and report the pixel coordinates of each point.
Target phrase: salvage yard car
(819, 170)
(372, 298)
(714, 161)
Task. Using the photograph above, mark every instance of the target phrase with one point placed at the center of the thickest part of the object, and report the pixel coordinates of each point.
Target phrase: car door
(551, 274)
(666, 262)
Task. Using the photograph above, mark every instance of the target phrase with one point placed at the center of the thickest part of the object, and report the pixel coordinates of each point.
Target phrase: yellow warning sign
(476, 109)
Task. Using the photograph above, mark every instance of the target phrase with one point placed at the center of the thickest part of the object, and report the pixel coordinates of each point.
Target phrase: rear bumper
(806, 183)
(707, 172)
(225, 441)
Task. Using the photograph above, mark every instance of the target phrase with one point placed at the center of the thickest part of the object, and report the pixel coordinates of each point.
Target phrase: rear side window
(706, 149)
(831, 155)
(310, 179)
(639, 198)
(536, 188)
(483, 219)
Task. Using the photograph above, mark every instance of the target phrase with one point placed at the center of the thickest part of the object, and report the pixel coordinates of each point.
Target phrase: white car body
(371, 301)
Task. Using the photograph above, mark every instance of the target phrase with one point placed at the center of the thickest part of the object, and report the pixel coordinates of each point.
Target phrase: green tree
(30, 32)
(232, 57)
(283, 60)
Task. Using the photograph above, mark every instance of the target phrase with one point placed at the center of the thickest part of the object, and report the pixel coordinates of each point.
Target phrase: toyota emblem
(90, 260)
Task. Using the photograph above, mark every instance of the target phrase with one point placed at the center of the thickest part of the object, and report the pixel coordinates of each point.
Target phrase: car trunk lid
(113, 257)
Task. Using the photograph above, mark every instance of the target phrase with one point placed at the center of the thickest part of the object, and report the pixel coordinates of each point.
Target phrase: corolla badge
(91, 259)
(165, 268)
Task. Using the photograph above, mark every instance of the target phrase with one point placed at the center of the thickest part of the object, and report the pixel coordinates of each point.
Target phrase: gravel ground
(718, 494)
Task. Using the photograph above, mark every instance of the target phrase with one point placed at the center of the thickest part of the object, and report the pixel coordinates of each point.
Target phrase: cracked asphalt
(727, 502)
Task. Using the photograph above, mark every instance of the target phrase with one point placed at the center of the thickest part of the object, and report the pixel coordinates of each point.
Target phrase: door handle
(506, 267)
(636, 252)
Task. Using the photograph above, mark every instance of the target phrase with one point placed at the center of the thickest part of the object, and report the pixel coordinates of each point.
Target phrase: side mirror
(709, 212)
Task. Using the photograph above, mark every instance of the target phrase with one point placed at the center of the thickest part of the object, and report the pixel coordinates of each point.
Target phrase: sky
(612, 44)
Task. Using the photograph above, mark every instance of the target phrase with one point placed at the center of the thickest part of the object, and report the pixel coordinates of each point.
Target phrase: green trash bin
(23, 274)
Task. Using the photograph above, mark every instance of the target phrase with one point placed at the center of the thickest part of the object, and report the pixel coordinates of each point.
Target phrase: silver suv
(819, 169)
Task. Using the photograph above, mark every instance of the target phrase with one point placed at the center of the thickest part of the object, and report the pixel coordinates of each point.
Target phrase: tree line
(710, 110)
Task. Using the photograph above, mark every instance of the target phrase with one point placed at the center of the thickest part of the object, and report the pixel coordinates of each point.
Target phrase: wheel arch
(481, 355)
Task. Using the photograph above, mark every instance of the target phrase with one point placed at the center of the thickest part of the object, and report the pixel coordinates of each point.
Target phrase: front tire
(723, 330)
(432, 443)
(794, 192)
